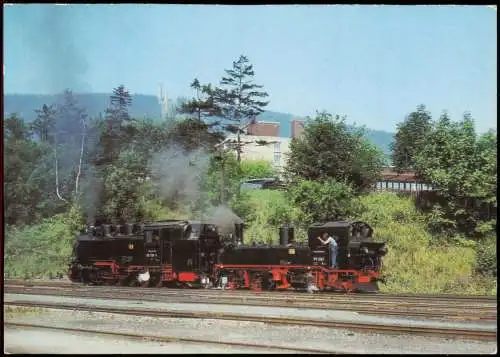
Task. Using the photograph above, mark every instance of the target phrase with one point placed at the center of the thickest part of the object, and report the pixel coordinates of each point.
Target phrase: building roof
(399, 177)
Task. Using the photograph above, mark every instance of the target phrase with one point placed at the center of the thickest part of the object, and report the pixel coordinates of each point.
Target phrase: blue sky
(374, 64)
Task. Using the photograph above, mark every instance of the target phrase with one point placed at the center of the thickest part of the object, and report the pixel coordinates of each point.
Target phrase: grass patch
(418, 262)
(265, 211)
(14, 311)
(157, 211)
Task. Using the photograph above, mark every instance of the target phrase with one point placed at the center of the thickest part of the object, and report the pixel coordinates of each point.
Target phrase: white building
(254, 148)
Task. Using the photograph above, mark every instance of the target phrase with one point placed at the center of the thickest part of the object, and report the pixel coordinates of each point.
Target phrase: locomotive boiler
(184, 253)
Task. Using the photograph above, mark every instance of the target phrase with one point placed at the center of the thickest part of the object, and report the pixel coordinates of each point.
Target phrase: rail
(478, 312)
(474, 334)
(382, 296)
(170, 339)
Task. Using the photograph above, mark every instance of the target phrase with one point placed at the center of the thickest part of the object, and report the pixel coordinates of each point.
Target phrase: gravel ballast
(335, 340)
(264, 311)
(56, 342)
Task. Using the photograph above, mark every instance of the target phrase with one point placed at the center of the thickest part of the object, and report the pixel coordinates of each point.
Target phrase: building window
(277, 152)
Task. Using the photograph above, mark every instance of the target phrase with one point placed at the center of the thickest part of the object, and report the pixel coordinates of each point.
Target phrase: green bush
(43, 249)
(254, 169)
(418, 262)
(264, 211)
(323, 200)
(486, 260)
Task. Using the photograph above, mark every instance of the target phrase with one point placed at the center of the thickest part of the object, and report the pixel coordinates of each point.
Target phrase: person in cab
(328, 240)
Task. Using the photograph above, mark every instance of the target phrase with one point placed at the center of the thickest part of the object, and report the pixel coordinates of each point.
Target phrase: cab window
(149, 236)
(156, 235)
(165, 234)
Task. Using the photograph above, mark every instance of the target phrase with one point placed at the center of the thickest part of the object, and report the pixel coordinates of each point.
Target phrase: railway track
(173, 339)
(477, 312)
(473, 334)
(290, 294)
(454, 313)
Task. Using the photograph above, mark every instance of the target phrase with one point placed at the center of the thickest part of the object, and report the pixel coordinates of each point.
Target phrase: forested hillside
(147, 106)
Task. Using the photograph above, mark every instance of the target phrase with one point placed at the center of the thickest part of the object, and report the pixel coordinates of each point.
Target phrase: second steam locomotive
(180, 253)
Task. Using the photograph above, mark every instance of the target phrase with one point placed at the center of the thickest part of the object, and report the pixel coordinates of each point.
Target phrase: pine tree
(240, 100)
(116, 115)
(44, 123)
(202, 106)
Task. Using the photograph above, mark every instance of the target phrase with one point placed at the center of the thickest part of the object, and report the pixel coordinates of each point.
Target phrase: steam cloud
(49, 34)
(223, 217)
(179, 175)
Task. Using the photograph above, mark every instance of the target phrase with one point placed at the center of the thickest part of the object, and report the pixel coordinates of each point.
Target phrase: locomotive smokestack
(286, 235)
(238, 231)
(129, 229)
(139, 228)
(106, 230)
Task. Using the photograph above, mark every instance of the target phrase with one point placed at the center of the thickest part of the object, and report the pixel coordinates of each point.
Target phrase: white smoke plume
(223, 217)
(178, 173)
(179, 176)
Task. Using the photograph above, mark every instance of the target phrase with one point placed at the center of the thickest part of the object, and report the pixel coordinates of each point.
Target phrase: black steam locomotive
(181, 253)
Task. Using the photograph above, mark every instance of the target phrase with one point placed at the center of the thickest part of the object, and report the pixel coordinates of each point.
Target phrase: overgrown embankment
(417, 262)
(43, 249)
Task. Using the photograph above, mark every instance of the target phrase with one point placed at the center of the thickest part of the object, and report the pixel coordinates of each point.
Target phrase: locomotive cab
(356, 249)
(194, 256)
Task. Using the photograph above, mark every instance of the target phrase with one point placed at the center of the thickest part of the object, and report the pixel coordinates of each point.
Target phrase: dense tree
(329, 150)
(200, 128)
(118, 111)
(113, 134)
(321, 201)
(16, 129)
(19, 152)
(239, 99)
(461, 166)
(43, 126)
(123, 188)
(116, 137)
(202, 105)
(69, 146)
(70, 119)
(149, 136)
(193, 134)
(410, 138)
(28, 175)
